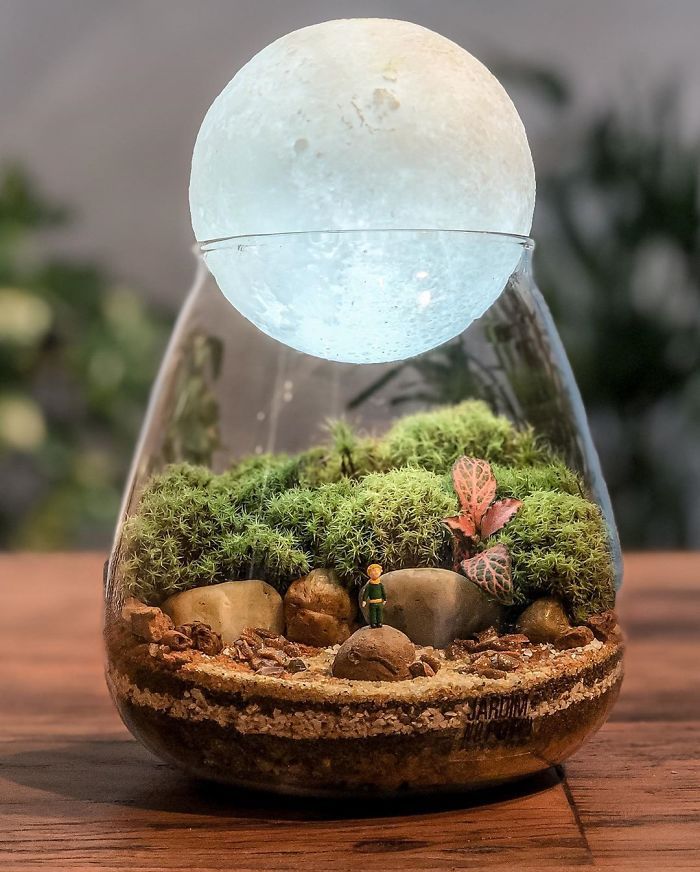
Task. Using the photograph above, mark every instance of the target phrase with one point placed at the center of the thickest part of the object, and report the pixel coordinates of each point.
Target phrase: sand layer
(312, 733)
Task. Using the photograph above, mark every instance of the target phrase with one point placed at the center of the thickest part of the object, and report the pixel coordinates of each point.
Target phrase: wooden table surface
(77, 792)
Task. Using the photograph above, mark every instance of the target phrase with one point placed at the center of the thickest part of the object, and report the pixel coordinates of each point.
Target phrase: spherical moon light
(362, 125)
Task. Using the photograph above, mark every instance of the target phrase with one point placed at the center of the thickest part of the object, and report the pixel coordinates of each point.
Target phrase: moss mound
(189, 532)
(436, 439)
(392, 517)
(559, 545)
(521, 481)
(358, 500)
(347, 455)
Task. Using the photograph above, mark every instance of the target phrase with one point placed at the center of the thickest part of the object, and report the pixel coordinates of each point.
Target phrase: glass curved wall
(227, 391)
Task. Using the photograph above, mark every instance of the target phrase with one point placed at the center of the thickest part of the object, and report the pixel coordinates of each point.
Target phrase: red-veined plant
(480, 516)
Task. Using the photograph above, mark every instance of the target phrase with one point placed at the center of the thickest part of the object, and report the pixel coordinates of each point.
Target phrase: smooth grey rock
(435, 606)
(229, 608)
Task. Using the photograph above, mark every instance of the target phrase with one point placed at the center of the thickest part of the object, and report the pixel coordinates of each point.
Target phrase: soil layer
(312, 733)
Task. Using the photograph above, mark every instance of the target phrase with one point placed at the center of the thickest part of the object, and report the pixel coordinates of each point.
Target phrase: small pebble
(273, 670)
(421, 669)
(431, 659)
(296, 664)
(576, 637)
(491, 673)
(506, 662)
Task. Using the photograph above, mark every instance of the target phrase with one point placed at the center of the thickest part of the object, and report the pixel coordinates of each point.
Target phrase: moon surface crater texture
(362, 125)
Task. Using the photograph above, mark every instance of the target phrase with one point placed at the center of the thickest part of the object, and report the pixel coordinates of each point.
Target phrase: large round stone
(435, 606)
(229, 607)
(375, 654)
(318, 610)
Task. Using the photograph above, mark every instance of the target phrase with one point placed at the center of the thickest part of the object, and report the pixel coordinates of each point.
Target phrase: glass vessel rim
(209, 245)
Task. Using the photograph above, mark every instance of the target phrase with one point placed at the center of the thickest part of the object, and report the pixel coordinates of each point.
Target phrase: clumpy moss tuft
(520, 481)
(361, 499)
(558, 543)
(434, 440)
(188, 532)
(254, 480)
(307, 513)
(178, 478)
(394, 518)
(257, 550)
(347, 455)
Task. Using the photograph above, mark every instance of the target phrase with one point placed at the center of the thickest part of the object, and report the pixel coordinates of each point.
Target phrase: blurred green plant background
(619, 264)
(618, 259)
(77, 358)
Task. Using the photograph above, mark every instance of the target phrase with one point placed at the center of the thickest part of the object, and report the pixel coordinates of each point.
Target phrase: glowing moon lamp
(345, 140)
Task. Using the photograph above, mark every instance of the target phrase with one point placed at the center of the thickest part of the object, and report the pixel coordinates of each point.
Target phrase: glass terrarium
(341, 578)
(366, 546)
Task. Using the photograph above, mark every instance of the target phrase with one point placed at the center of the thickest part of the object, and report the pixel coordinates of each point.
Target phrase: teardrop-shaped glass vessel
(266, 482)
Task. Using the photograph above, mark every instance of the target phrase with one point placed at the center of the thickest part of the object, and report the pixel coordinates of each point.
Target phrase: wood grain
(76, 792)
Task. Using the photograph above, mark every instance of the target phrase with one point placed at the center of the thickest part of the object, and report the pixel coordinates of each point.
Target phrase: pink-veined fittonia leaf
(491, 570)
(475, 486)
(463, 524)
(498, 515)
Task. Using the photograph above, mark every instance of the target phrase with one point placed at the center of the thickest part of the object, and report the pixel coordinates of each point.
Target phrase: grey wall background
(102, 99)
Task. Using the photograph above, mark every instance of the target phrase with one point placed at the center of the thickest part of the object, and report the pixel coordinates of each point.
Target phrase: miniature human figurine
(375, 595)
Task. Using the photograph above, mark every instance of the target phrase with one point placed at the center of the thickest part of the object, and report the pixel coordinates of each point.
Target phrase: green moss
(254, 480)
(520, 481)
(393, 518)
(307, 513)
(178, 477)
(189, 532)
(257, 550)
(434, 440)
(347, 455)
(358, 500)
(559, 545)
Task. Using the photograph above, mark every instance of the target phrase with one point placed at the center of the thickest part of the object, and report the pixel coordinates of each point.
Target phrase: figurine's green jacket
(375, 591)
